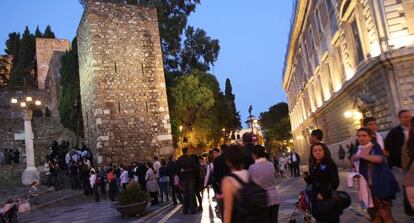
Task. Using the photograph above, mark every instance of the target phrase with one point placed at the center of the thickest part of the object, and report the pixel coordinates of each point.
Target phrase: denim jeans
(164, 190)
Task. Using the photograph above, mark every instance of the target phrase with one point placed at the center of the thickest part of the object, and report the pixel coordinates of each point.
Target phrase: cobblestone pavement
(289, 189)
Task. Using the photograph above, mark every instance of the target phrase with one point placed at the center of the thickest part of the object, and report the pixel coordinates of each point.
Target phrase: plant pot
(131, 209)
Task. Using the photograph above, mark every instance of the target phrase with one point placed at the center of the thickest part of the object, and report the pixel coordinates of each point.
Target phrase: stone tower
(123, 92)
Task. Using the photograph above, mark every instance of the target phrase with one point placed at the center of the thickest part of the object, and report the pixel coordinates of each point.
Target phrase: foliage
(133, 194)
(199, 52)
(234, 116)
(192, 98)
(49, 33)
(38, 34)
(69, 101)
(276, 125)
(23, 74)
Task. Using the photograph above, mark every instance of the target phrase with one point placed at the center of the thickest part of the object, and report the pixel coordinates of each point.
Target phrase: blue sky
(253, 36)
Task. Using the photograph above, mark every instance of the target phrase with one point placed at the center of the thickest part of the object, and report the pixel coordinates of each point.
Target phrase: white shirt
(406, 132)
(293, 155)
(124, 177)
(380, 140)
(157, 166)
(67, 158)
(92, 180)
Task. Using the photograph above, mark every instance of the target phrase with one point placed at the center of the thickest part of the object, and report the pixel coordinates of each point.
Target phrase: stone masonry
(123, 92)
(46, 49)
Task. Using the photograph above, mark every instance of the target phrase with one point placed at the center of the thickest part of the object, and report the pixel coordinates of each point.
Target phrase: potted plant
(132, 201)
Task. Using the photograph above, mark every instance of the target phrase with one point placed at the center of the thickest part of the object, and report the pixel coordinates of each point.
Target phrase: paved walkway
(288, 188)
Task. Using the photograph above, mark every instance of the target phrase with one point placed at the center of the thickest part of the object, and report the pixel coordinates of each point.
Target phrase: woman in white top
(124, 177)
(152, 183)
(282, 165)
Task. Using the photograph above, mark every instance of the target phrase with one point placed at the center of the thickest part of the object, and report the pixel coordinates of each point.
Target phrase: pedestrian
(111, 178)
(174, 184)
(94, 184)
(294, 159)
(232, 191)
(187, 175)
(124, 177)
(84, 177)
(407, 158)
(16, 156)
(152, 183)
(282, 165)
(164, 180)
(396, 138)
(371, 123)
(74, 175)
(382, 184)
(156, 164)
(141, 172)
(209, 179)
(323, 178)
(341, 153)
(103, 181)
(263, 173)
(199, 180)
(220, 170)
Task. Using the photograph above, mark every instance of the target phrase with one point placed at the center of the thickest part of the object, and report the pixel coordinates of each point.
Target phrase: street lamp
(30, 174)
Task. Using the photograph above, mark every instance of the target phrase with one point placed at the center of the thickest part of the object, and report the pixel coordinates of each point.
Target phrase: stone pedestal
(30, 174)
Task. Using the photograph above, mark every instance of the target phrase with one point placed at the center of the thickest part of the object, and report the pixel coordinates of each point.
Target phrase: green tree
(234, 116)
(38, 33)
(13, 44)
(276, 125)
(192, 98)
(49, 33)
(199, 51)
(23, 73)
(69, 101)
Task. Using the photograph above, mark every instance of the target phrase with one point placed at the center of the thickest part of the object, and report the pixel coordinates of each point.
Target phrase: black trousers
(175, 194)
(189, 196)
(272, 213)
(295, 169)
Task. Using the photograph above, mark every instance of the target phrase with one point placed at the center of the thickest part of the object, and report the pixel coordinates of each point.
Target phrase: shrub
(133, 194)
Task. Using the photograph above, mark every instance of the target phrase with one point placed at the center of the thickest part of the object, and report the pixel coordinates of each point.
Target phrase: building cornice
(295, 32)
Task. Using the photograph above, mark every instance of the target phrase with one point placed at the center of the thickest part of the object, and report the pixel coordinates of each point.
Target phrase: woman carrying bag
(407, 157)
(382, 185)
(324, 179)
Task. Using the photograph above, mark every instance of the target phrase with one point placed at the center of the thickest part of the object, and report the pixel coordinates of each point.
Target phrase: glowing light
(14, 101)
(358, 115)
(38, 103)
(348, 114)
(29, 98)
(23, 104)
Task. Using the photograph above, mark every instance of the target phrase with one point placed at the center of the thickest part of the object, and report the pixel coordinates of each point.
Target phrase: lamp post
(30, 174)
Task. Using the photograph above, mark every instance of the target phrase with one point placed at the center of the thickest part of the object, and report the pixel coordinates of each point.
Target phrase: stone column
(30, 174)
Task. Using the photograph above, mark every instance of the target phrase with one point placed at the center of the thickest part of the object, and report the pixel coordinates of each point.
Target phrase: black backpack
(250, 203)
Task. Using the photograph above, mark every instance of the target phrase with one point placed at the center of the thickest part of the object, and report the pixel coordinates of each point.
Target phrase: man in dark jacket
(140, 172)
(187, 167)
(220, 170)
(294, 162)
(396, 139)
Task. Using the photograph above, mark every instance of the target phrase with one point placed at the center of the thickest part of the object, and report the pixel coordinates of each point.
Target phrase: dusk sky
(253, 36)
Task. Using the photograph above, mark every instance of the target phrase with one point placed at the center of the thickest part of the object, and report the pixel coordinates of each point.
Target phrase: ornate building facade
(348, 59)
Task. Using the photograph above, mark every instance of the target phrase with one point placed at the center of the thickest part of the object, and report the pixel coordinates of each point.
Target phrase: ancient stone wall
(45, 129)
(46, 49)
(124, 101)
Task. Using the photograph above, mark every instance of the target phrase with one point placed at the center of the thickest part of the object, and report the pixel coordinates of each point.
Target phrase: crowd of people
(243, 177)
(9, 156)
